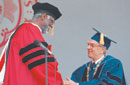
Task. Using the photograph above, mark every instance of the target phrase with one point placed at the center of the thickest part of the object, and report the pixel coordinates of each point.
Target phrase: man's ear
(44, 16)
(104, 48)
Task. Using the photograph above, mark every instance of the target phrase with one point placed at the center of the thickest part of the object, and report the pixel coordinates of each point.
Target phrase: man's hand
(1, 83)
(69, 82)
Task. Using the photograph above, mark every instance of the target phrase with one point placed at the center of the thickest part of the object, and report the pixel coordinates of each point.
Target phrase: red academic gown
(26, 61)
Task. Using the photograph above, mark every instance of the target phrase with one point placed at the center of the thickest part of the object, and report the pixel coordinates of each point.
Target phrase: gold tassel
(102, 39)
(51, 31)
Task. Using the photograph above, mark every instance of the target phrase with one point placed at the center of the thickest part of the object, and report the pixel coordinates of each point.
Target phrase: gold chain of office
(95, 69)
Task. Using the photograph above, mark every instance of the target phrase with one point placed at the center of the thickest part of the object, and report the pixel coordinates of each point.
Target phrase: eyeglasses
(94, 45)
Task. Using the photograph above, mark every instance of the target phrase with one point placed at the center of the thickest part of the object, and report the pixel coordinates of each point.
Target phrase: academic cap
(102, 39)
(47, 8)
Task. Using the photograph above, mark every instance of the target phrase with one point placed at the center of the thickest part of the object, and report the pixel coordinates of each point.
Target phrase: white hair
(37, 15)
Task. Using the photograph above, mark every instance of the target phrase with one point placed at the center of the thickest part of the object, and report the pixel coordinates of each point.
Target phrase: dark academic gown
(26, 62)
(110, 72)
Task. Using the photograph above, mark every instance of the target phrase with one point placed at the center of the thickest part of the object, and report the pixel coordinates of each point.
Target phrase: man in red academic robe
(26, 61)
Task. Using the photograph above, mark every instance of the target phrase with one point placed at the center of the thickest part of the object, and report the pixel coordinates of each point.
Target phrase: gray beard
(45, 29)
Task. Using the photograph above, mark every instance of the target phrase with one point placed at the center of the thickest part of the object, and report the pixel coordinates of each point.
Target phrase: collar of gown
(37, 26)
(98, 60)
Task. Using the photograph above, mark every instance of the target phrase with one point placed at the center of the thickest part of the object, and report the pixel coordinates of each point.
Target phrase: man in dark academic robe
(25, 60)
(103, 69)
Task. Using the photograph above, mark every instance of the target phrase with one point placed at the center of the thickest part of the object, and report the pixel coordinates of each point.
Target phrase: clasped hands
(69, 82)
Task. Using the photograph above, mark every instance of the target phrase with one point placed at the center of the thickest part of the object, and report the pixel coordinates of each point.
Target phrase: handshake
(69, 82)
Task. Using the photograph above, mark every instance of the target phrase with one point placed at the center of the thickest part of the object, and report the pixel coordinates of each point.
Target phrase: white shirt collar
(37, 26)
(99, 59)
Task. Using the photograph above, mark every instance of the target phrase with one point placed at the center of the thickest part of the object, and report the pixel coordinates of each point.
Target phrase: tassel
(51, 31)
(102, 39)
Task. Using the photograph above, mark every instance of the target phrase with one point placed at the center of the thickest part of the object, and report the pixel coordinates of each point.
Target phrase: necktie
(92, 66)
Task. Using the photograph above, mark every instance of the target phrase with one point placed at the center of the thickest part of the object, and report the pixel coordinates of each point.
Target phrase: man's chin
(89, 55)
(44, 32)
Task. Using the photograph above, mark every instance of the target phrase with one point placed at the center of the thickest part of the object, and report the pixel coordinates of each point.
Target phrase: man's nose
(88, 46)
